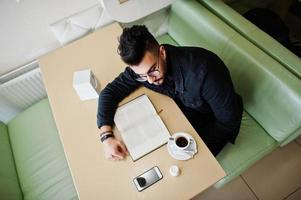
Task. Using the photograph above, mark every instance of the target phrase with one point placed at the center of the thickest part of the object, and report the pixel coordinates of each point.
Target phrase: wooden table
(94, 176)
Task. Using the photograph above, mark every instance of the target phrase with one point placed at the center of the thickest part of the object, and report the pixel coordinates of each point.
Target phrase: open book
(140, 126)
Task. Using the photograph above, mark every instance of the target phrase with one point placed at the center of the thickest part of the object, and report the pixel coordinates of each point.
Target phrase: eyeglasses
(152, 72)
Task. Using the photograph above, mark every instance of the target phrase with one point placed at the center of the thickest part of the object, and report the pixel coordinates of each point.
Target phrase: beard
(159, 81)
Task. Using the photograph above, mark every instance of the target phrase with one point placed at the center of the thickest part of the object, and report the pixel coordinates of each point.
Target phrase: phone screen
(148, 178)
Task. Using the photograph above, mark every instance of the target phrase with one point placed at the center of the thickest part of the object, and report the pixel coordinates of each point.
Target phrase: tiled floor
(275, 177)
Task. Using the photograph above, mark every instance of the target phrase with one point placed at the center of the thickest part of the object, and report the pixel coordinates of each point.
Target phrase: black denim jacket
(196, 79)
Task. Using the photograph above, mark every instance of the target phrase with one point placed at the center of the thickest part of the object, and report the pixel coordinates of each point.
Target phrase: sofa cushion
(251, 145)
(271, 94)
(39, 156)
(255, 35)
(166, 39)
(9, 183)
(190, 24)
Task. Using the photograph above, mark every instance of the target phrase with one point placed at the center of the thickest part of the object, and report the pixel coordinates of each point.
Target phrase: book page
(142, 130)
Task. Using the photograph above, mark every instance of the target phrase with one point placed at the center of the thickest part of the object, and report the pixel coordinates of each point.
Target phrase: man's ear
(162, 51)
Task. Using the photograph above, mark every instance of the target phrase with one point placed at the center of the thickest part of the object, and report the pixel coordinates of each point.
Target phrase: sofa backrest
(271, 94)
(255, 35)
(39, 156)
(9, 182)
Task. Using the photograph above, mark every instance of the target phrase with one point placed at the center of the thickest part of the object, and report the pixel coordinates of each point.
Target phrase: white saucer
(178, 154)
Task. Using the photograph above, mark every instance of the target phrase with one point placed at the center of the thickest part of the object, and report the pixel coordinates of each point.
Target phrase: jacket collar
(174, 67)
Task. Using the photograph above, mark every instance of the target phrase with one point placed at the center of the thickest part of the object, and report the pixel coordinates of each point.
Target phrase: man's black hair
(134, 42)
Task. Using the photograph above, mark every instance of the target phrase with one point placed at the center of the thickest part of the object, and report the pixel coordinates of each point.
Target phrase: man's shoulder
(196, 57)
(193, 60)
(188, 49)
(128, 73)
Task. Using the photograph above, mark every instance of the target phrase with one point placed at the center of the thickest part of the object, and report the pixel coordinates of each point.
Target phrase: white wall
(24, 28)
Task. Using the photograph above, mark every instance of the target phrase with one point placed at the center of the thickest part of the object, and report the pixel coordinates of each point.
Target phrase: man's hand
(114, 149)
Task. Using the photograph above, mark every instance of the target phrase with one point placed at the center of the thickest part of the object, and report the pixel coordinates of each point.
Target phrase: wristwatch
(105, 135)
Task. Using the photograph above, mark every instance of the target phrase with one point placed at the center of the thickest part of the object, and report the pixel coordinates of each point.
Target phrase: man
(195, 78)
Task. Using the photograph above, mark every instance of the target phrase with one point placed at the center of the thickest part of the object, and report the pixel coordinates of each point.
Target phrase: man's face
(152, 67)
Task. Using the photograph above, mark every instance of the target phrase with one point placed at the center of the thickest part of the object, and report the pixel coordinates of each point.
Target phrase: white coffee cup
(182, 142)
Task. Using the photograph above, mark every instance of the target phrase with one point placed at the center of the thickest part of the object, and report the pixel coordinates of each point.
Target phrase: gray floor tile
(295, 196)
(236, 189)
(277, 175)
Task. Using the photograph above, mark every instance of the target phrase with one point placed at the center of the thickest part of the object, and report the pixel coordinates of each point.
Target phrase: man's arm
(112, 94)
(219, 93)
(108, 101)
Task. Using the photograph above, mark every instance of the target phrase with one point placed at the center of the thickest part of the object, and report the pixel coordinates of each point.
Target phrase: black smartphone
(148, 178)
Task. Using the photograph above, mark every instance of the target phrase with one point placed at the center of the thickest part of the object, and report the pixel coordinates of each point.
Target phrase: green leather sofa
(33, 165)
(255, 35)
(271, 93)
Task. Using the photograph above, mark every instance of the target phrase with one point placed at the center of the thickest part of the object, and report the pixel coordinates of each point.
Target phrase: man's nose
(151, 79)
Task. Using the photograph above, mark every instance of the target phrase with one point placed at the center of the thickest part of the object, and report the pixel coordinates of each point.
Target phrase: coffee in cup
(182, 142)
